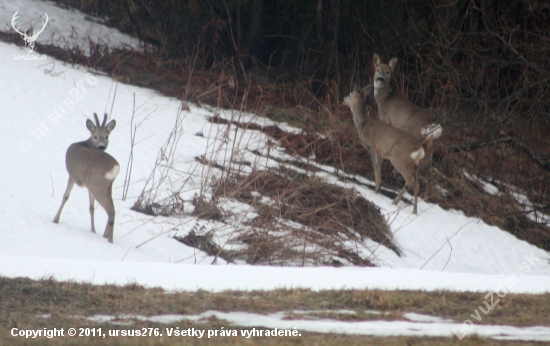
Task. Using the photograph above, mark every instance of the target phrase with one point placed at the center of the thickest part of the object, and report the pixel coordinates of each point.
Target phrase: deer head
(382, 74)
(100, 132)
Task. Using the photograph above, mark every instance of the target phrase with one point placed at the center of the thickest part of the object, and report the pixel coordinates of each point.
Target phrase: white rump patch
(433, 130)
(418, 155)
(111, 175)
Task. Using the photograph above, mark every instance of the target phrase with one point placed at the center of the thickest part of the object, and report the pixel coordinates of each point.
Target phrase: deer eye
(95, 137)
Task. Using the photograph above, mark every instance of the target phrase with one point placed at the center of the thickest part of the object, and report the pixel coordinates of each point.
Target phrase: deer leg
(92, 201)
(401, 193)
(408, 182)
(70, 185)
(429, 150)
(416, 188)
(377, 166)
(378, 172)
(105, 199)
(409, 176)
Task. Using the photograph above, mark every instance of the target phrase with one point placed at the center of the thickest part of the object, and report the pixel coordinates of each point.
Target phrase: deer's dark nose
(102, 147)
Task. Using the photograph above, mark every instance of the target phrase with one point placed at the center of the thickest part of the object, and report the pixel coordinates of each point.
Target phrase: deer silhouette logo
(29, 39)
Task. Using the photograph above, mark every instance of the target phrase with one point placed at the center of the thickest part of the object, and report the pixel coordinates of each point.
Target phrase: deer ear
(90, 125)
(376, 60)
(392, 63)
(111, 125)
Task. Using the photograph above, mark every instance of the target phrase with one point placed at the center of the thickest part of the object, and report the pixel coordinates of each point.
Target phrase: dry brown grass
(28, 297)
(24, 301)
(326, 213)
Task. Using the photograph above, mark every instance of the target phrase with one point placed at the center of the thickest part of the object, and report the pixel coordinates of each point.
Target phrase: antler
(13, 19)
(104, 120)
(36, 33)
(96, 120)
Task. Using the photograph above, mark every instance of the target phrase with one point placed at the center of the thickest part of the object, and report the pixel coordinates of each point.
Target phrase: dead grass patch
(24, 301)
(326, 208)
(325, 221)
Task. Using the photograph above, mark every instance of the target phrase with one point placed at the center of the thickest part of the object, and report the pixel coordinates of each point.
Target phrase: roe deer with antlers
(91, 167)
(398, 111)
(384, 141)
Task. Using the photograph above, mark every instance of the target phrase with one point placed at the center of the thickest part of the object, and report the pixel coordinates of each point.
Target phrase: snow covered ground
(65, 27)
(44, 105)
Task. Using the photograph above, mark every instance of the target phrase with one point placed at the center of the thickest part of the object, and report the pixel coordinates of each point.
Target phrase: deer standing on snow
(384, 141)
(399, 112)
(91, 167)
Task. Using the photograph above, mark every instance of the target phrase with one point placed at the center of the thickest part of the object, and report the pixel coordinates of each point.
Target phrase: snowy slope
(36, 93)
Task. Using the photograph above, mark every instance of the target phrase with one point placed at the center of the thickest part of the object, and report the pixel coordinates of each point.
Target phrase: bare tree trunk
(255, 26)
(328, 17)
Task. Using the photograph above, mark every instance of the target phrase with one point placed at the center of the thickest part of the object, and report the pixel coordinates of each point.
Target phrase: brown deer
(398, 111)
(91, 167)
(384, 141)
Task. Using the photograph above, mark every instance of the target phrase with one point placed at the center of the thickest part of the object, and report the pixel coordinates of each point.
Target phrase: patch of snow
(414, 317)
(433, 328)
(218, 278)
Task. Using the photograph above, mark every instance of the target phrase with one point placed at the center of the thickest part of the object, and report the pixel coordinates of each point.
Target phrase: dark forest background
(479, 58)
(460, 46)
